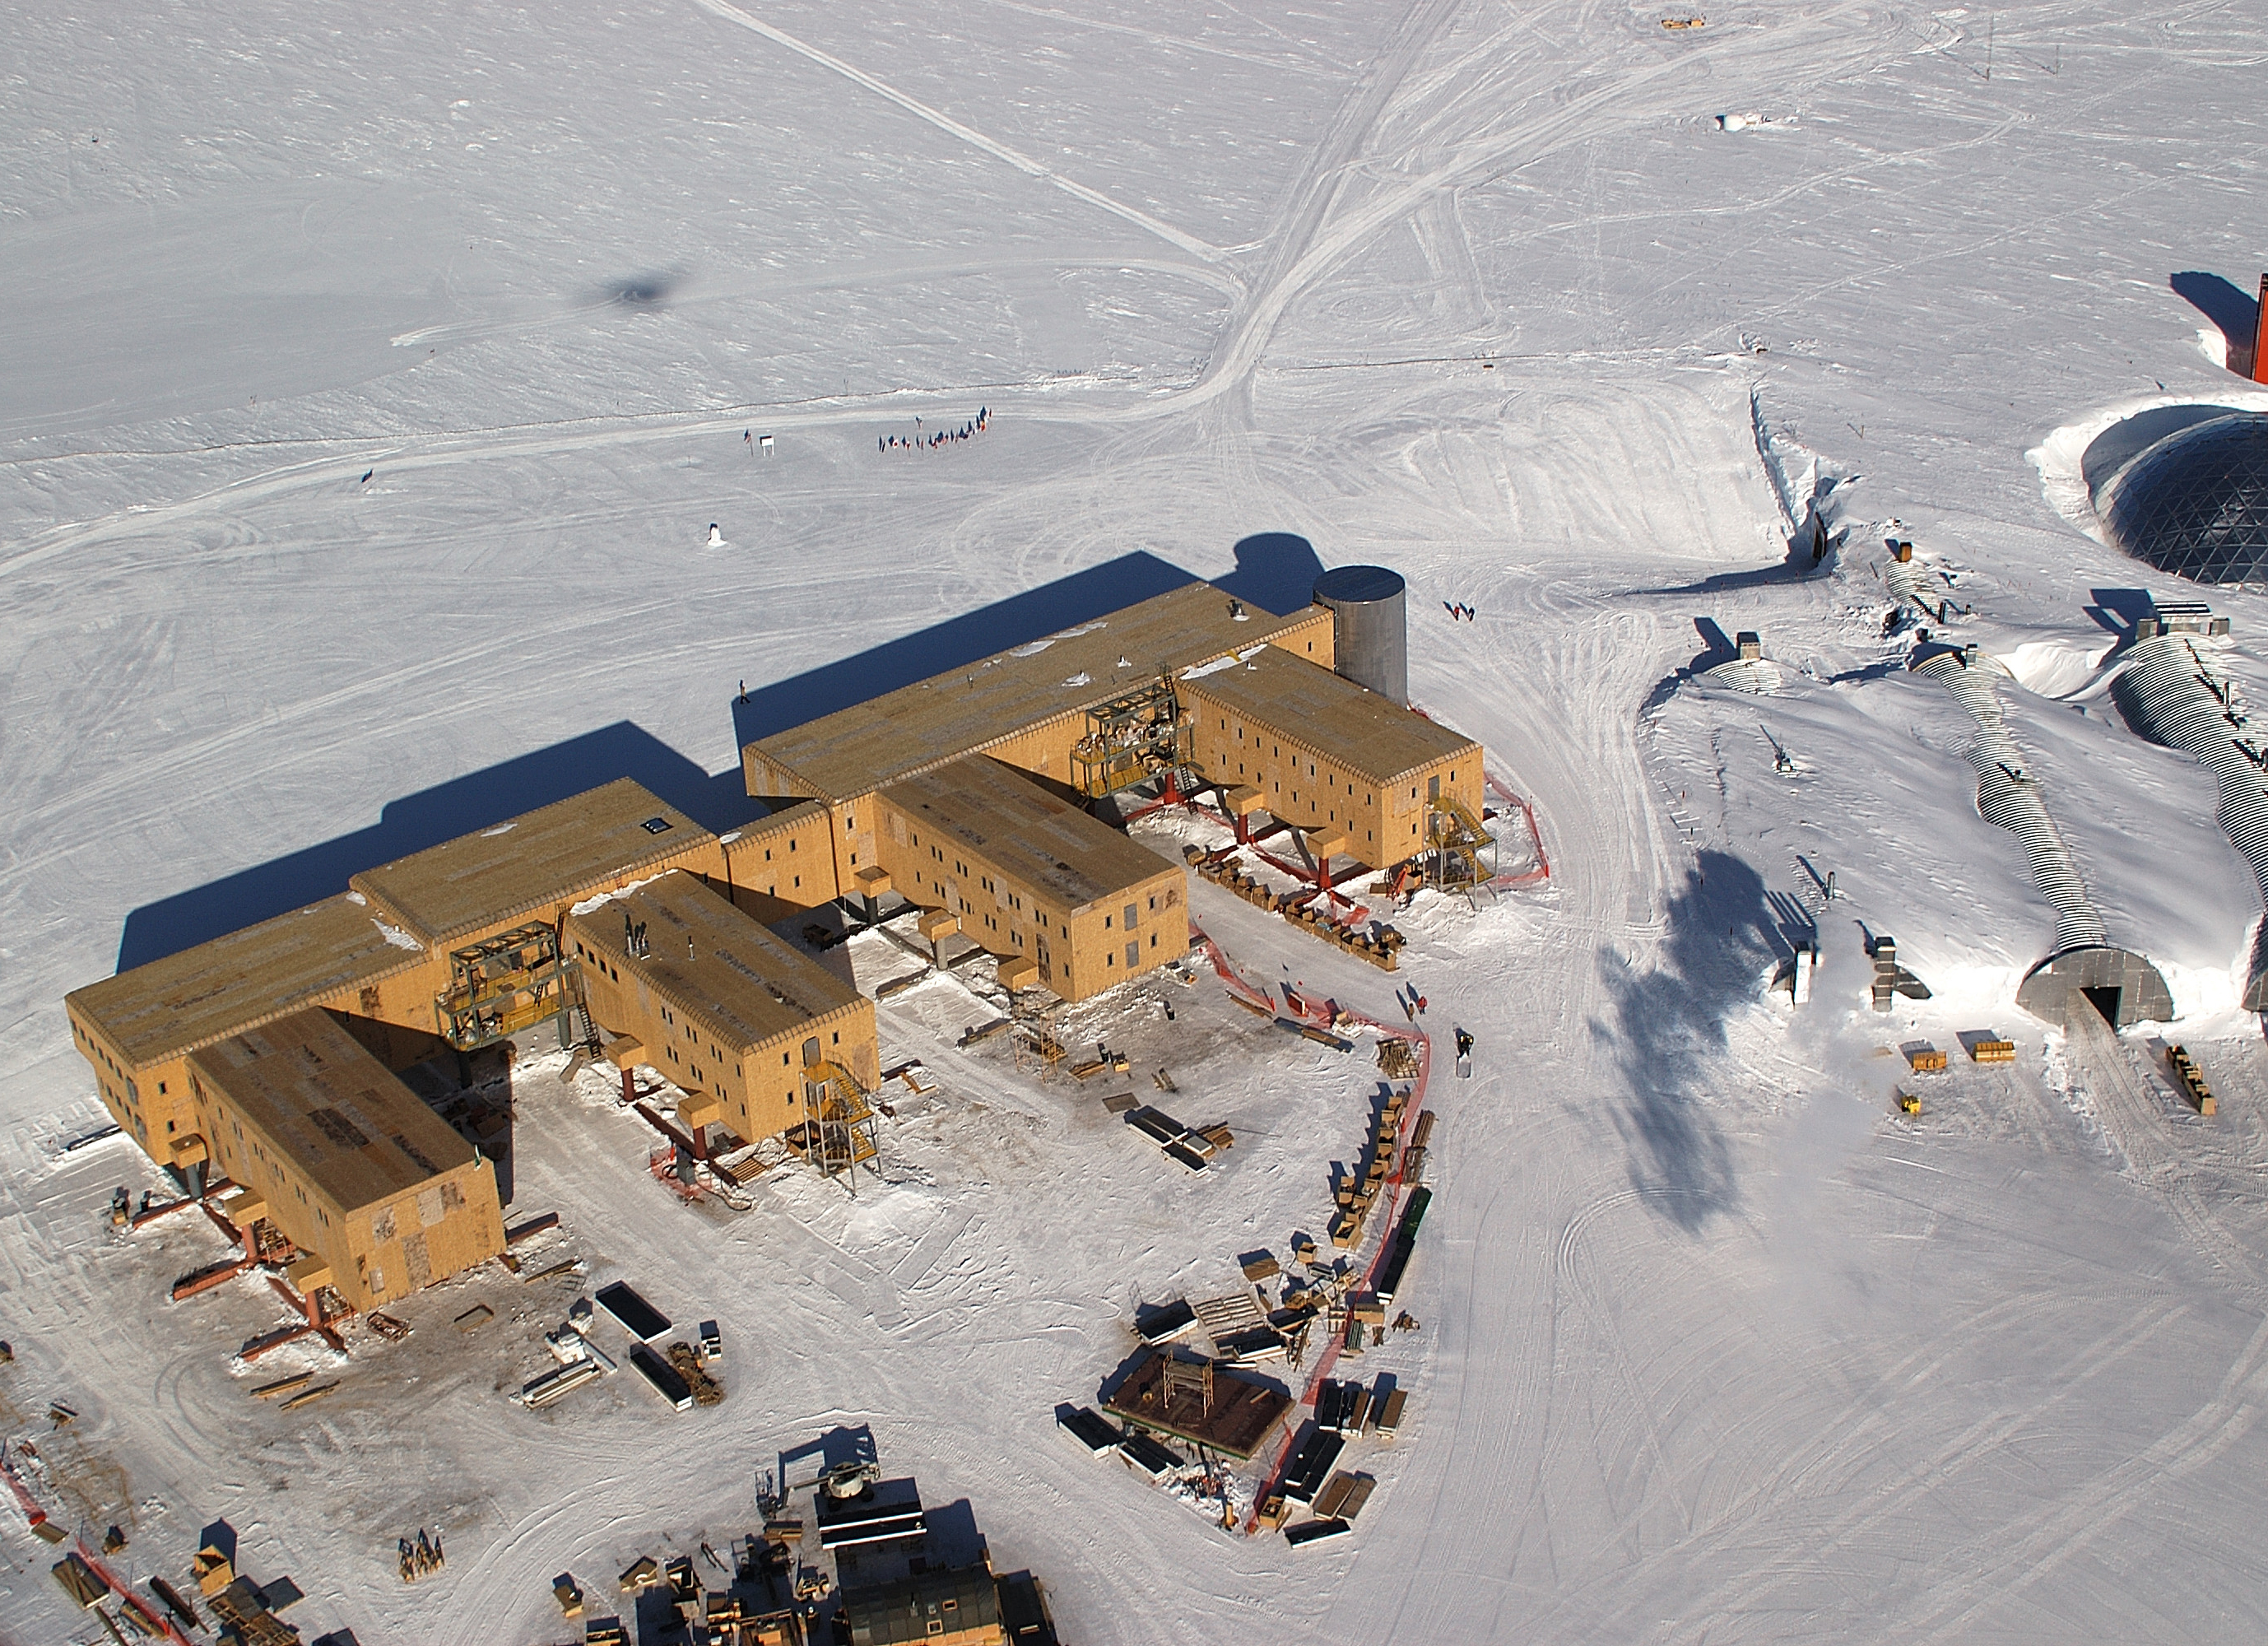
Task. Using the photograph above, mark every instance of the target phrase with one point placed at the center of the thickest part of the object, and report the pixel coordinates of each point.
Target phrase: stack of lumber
(1413, 1158)
(1389, 1415)
(2192, 1081)
(1357, 1198)
(79, 1582)
(1993, 1050)
(1344, 1498)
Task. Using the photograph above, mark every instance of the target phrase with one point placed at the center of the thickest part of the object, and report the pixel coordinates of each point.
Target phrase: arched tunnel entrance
(2123, 987)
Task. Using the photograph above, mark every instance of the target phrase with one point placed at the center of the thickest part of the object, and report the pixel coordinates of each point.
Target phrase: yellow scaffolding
(1132, 738)
(505, 986)
(1464, 852)
(840, 1137)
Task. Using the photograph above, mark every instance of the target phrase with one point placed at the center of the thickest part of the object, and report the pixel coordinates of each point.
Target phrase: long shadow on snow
(1668, 1028)
(427, 818)
(1798, 567)
(2234, 311)
(1275, 571)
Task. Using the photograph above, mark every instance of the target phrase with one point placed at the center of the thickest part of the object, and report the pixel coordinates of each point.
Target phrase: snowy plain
(1715, 1346)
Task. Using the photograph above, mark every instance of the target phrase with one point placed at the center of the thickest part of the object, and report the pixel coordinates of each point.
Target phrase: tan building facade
(1327, 754)
(1027, 875)
(341, 1157)
(720, 1008)
(781, 864)
(378, 954)
(1026, 708)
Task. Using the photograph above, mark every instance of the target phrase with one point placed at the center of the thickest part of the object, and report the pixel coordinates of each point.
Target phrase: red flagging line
(1541, 872)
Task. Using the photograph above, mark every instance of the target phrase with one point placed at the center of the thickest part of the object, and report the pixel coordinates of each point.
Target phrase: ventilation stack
(2259, 369)
(1370, 627)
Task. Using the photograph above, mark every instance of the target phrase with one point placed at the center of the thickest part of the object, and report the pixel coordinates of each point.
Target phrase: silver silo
(1370, 626)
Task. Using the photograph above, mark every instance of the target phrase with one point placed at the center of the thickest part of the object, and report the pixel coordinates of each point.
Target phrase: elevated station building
(381, 1194)
(749, 1028)
(269, 1055)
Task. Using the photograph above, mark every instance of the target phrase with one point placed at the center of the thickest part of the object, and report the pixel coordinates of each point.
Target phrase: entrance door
(2105, 1000)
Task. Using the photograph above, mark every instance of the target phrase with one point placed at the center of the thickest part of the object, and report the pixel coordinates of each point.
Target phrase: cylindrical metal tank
(1370, 627)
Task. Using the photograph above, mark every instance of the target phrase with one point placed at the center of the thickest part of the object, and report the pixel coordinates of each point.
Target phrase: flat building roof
(746, 985)
(1328, 715)
(346, 1124)
(541, 858)
(1023, 831)
(186, 1000)
(858, 750)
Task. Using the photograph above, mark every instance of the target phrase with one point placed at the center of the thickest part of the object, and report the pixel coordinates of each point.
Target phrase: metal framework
(1464, 852)
(1135, 736)
(841, 1136)
(508, 983)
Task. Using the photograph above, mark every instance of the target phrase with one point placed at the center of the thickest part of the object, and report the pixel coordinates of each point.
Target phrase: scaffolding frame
(1136, 736)
(507, 984)
(1463, 851)
(842, 1135)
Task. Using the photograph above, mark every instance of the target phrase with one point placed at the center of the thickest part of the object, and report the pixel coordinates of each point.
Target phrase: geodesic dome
(2196, 504)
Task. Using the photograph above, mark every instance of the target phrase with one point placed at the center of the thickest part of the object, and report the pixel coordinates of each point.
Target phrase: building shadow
(953, 1540)
(1275, 570)
(1666, 1032)
(427, 818)
(955, 643)
(1807, 557)
(2117, 610)
(2234, 312)
(1716, 646)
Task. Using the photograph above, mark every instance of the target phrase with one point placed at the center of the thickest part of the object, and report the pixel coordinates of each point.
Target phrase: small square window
(657, 825)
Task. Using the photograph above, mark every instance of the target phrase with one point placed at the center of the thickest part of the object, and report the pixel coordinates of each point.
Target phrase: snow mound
(2054, 668)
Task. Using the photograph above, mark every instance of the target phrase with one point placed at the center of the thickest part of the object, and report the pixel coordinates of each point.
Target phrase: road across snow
(370, 390)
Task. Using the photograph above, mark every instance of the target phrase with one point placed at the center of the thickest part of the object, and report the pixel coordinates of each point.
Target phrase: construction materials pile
(1413, 1157)
(706, 1390)
(1381, 949)
(2185, 1072)
(1397, 1058)
(1357, 1196)
(1193, 1146)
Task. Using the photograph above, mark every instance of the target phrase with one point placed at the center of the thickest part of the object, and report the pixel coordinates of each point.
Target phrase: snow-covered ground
(368, 387)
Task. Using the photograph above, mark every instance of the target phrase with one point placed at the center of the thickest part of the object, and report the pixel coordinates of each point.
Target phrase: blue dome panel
(2196, 504)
